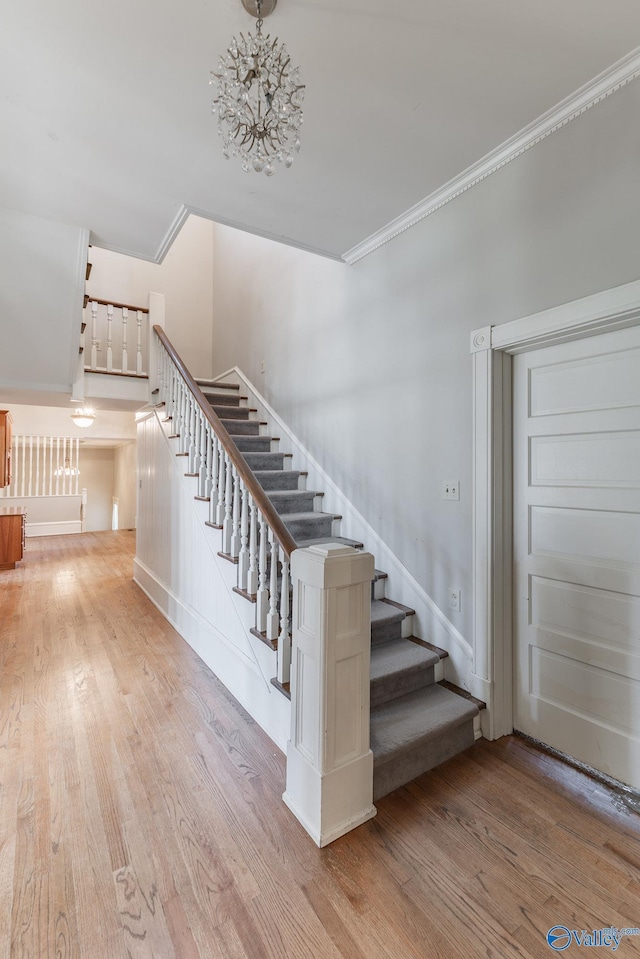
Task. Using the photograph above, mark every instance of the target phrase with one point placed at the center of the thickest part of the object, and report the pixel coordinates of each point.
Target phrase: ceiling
(105, 107)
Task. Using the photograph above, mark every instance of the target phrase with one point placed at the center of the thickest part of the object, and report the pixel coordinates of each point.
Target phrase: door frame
(492, 349)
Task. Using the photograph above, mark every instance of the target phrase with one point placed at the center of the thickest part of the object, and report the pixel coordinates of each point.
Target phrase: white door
(576, 415)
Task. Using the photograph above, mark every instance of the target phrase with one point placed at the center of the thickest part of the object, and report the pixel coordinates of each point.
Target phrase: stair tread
(311, 515)
(218, 386)
(382, 612)
(398, 655)
(423, 715)
(277, 494)
(319, 540)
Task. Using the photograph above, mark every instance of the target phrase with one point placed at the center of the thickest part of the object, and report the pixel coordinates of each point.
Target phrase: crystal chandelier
(259, 98)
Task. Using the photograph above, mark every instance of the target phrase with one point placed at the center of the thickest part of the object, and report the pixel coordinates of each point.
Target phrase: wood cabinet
(12, 531)
(5, 447)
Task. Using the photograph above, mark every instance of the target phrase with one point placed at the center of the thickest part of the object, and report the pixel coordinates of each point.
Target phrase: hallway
(141, 812)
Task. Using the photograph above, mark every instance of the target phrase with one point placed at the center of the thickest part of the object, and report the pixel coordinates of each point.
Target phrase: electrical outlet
(454, 594)
(450, 489)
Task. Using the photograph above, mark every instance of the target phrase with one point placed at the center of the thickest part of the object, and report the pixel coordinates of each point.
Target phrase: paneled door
(576, 415)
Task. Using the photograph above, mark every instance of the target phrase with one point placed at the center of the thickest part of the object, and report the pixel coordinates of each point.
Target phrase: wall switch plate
(454, 594)
(451, 489)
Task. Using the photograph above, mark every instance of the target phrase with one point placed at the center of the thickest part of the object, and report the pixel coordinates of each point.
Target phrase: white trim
(265, 234)
(186, 210)
(609, 81)
(59, 528)
(492, 471)
(431, 622)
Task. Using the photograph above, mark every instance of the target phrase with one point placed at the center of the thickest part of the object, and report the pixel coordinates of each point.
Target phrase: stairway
(416, 723)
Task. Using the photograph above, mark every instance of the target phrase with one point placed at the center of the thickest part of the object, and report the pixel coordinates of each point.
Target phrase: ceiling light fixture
(83, 417)
(259, 98)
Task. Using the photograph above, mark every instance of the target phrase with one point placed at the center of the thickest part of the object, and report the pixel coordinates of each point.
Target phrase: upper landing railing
(253, 532)
(117, 340)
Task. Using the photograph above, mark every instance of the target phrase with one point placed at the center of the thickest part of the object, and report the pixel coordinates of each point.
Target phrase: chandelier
(259, 98)
(83, 417)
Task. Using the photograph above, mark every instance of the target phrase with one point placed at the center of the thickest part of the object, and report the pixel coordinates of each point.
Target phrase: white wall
(97, 477)
(125, 484)
(370, 364)
(41, 285)
(185, 279)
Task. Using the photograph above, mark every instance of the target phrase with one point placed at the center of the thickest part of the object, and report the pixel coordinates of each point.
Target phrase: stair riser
(385, 633)
(221, 399)
(232, 412)
(397, 685)
(253, 444)
(314, 526)
(420, 758)
(275, 480)
(242, 427)
(294, 504)
(265, 461)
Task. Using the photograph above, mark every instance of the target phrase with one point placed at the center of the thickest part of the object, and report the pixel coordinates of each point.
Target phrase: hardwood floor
(141, 812)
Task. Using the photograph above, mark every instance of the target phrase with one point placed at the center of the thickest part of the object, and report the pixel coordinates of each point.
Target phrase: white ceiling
(106, 122)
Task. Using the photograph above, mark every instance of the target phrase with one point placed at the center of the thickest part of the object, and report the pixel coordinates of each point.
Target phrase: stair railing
(119, 332)
(254, 535)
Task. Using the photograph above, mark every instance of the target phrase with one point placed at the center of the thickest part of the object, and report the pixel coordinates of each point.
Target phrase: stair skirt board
(415, 723)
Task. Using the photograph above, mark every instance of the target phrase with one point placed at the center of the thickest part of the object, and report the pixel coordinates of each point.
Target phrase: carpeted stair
(415, 722)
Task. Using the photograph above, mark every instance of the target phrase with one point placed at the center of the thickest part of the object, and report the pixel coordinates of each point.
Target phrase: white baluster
(222, 465)
(215, 479)
(193, 436)
(205, 452)
(235, 535)
(94, 335)
(262, 596)
(125, 317)
(273, 619)
(243, 556)
(227, 523)
(252, 573)
(109, 338)
(139, 344)
(57, 468)
(208, 480)
(184, 419)
(284, 639)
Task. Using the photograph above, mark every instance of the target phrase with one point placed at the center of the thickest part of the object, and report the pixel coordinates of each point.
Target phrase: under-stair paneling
(178, 567)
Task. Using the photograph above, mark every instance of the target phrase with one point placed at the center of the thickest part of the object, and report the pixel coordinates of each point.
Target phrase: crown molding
(587, 96)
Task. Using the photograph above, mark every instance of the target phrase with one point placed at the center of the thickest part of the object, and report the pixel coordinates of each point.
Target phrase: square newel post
(329, 762)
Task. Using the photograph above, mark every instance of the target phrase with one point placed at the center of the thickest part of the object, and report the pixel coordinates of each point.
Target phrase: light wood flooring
(141, 812)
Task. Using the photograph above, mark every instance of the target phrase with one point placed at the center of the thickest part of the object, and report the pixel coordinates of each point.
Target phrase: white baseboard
(53, 529)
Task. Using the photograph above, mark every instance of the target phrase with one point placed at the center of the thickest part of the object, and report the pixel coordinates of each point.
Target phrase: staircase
(416, 723)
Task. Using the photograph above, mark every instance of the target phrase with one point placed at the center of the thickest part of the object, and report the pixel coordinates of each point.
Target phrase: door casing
(492, 349)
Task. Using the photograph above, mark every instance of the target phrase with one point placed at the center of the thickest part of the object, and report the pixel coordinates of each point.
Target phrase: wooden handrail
(258, 495)
(119, 306)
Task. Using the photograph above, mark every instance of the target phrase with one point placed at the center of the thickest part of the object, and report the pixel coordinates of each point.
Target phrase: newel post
(329, 762)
